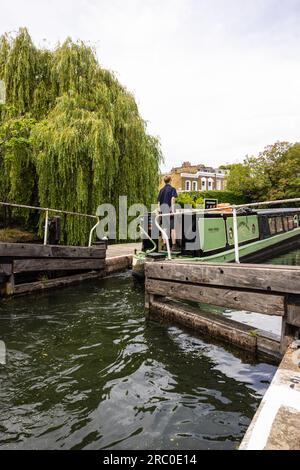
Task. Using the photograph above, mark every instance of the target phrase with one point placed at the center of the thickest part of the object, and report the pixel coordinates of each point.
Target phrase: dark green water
(291, 258)
(85, 370)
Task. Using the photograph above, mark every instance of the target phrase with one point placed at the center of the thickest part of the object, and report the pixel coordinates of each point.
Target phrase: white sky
(215, 79)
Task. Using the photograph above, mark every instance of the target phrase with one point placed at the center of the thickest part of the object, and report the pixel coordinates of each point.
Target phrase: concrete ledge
(276, 425)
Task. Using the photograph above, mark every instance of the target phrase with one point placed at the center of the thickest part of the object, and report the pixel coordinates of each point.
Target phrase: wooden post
(10, 286)
(289, 331)
(149, 299)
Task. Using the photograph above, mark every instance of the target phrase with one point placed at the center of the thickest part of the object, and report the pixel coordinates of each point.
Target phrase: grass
(44, 279)
(253, 333)
(15, 235)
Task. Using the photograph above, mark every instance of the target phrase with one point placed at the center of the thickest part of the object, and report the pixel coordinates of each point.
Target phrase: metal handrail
(149, 238)
(234, 214)
(92, 231)
(56, 211)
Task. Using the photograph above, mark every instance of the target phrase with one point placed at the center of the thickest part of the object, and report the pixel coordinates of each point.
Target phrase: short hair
(167, 179)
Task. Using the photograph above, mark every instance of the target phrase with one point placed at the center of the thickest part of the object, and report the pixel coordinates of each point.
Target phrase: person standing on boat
(166, 205)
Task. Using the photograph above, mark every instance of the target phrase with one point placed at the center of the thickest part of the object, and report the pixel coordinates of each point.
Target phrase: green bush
(194, 198)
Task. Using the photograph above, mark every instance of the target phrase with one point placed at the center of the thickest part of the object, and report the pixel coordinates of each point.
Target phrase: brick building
(196, 178)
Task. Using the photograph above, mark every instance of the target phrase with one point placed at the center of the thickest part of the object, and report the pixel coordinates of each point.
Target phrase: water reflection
(85, 370)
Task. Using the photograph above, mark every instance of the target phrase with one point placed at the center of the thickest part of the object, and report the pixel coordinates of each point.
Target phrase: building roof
(187, 167)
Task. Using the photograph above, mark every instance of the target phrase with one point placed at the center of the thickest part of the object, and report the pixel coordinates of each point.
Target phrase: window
(195, 186)
(279, 225)
(203, 183)
(187, 185)
(210, 184)
(272, 225)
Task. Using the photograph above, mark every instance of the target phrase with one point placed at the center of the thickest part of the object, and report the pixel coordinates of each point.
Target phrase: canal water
(85, 370)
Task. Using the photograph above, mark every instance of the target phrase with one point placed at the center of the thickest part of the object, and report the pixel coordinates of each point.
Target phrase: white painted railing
(234, 214)
(54, 211)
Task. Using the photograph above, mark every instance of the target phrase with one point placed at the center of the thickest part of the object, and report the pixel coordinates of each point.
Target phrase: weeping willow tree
(82, 140)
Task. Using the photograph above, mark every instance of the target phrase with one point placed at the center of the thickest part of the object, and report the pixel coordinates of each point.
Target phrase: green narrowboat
(209, 237)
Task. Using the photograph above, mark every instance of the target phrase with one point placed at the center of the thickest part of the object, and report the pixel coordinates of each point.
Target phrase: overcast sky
(214, 79)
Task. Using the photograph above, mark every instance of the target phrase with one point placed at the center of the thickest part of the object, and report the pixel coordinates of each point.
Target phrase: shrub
(194, 198)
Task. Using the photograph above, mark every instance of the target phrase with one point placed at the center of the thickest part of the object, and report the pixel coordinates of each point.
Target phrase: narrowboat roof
(278, 211)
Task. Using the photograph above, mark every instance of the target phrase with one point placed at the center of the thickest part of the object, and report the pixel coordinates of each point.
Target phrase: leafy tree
(17, 170)
(72, 137)
(273, 174)
(288, 170)
(240, 180)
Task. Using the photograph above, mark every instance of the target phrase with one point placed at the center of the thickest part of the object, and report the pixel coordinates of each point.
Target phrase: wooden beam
(217, 326)
(60, 264)
(251, 301)
(32, 287)
(205, 322)
(281, 279)
(19, 250)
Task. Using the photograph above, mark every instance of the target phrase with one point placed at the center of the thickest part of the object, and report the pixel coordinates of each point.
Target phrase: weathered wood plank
(18, 250)
(217, 326)
(251, 301)
(282, 279)
(59, 264)
(6, 269)
(118, 263)
(30, 288)
(208, 323)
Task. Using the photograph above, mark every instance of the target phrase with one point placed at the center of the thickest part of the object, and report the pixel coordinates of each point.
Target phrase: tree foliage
(273, 174)
(239, 180)
(71, 136)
